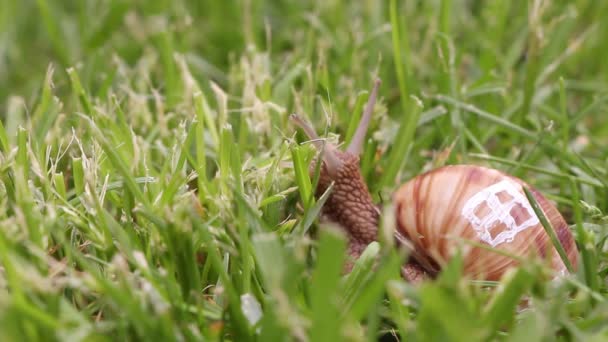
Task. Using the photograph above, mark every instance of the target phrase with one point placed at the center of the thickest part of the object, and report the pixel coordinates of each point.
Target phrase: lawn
(153, 188)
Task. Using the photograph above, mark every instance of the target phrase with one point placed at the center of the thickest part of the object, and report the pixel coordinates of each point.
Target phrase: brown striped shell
(479, 211)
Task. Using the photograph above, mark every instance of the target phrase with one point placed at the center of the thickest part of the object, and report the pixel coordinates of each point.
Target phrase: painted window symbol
(499, 212)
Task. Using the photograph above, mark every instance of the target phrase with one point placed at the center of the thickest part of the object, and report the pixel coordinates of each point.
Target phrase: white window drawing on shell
(499, 212)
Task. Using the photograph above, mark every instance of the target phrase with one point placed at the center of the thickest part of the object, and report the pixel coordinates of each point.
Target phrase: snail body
(479, 212)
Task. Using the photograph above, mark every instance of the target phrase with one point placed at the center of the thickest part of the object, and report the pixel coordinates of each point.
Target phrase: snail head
(335, 161)
(350, 204)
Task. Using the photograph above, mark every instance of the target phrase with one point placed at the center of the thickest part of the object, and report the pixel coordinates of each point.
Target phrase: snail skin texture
(480, 212)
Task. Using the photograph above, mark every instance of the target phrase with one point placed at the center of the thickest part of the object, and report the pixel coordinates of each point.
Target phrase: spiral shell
(482, 211)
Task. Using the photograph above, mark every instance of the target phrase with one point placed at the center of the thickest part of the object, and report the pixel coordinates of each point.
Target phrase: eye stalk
(356, 145)
(331, 154)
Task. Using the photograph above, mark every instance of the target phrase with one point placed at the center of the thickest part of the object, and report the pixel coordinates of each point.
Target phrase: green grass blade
(400, 150)
(324, 287)
(586, 247)
(548, 229)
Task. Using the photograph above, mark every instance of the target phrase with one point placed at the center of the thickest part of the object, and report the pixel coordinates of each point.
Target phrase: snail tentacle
(356, 144)
(329, 152)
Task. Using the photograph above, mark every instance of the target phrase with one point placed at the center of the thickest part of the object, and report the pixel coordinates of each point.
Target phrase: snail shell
(472, 207)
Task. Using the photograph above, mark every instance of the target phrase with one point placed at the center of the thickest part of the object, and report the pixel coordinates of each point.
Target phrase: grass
(152, 187)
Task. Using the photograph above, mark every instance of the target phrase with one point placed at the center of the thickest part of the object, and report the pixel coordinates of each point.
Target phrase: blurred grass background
(149, 184)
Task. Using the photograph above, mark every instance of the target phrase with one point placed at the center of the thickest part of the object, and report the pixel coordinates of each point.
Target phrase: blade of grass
(313, 212)
(120, 165)
(3, 138)
(302, 177)
(565, 116)
(541, 170)
(53, 31)
(586, 246)
(398, 155)
(234, 305)
(499, 312)
(548, 229)
(324, 287)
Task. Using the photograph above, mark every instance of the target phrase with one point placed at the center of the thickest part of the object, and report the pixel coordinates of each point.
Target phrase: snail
(483, 213)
